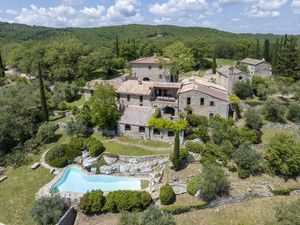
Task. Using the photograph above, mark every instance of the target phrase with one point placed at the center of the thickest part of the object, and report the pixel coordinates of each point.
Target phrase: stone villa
(149, 87)
(257, 67)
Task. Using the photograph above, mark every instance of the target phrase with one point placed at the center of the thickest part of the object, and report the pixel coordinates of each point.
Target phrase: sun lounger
(2, 178)
(34, 166)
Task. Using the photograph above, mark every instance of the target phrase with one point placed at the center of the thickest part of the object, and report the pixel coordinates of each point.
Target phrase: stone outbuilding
(257, 67)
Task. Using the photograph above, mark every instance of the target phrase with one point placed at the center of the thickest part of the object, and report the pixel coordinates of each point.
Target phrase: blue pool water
(73, 180)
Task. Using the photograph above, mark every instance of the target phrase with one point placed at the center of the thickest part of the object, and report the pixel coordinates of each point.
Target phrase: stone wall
(134, 132)
(220, 107)
(227, 82)
(143, 158)
(135, 100)
(262, 69)
(142, 71)
(68, 218)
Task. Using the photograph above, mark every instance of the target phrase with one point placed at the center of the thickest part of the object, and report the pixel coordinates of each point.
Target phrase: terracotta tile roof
(137, 115)
(135, 87)
(116, 82)
(211, 89)
(148, 60)
(253, 62)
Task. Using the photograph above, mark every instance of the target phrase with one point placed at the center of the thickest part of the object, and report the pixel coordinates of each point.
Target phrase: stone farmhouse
(257, 67)
(145, 90)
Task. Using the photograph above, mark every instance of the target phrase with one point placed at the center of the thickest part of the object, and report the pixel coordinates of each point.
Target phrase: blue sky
(255, 16)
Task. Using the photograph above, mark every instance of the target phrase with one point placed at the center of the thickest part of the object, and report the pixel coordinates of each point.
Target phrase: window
(118, 97)
(202, 101)
(156, 131)
(146, 79)
(127, 127)
(240, 78)
(142, 129)
(211, 115)
(212, 103)
(170, 133)
(188, 100)
(149, 67)
(128, 98)
(141, 98)
(160, 76)
(160, 67)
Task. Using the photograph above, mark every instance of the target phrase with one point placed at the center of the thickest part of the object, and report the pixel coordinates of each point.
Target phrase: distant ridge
(11, 32)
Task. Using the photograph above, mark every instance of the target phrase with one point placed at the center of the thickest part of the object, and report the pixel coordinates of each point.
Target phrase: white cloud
(177, 8)
(228, 2)
(73, 2)
(11, 12)
(98, 11)
(235, 19)
(271, 4)
(124, 11)
(296, 6)
(255, 12)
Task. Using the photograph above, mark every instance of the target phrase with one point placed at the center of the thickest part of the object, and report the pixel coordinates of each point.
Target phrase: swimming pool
(74, 180)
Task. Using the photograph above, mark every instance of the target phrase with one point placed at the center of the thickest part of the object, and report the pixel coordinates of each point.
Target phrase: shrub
(243, 89)
(284, 191)
(247, 160)
(193, 185)
(57, 156)
(16, 159)
(130, 201)
(71, 153)
(78, 143)
(167, 195)
(288, 213)
(75, 128)
(273, 111)
(48, 210)
(196, 120)
(176, 154)
(253, 119)
(243, 174)
(95, 147)
(178, 209)
(283, 154)
(129, 219)
(153, 216)
(92, 202)
(213, 182)
(46, 133)
(194, 147)
(294, 112)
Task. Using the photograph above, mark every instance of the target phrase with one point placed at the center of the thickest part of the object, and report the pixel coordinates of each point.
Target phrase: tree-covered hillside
(99, 35)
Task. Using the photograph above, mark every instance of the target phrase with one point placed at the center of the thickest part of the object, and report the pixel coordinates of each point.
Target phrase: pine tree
(43, 97)
(275, 57)
(214, 65)
(257, 53)
(2, 69)
(288, 59)
(176, 156)
(117, 47)
(267, 50)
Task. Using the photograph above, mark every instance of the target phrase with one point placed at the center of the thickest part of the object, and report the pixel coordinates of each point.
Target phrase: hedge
(129, 201)
(57, 156)
(178, 209)
(193, 185)
(167, 195)
(95, 147)
(284, 191)
(164, 124)
(92, 202)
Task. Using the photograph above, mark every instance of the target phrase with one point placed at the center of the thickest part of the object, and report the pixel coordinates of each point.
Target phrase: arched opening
(146, 79)
(127, 127)
(240, 78)
(169, 110)
(156, 131)
(142, 129)
(170, 133)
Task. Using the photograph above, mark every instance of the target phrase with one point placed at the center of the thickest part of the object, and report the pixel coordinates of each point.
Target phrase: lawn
(17, 194)
(149, 143)
(253, 212)
(120, 149)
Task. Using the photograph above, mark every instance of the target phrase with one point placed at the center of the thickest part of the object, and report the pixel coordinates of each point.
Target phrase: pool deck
(73, 197)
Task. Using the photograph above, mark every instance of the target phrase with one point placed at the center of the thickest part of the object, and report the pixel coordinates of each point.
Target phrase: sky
(240, 16)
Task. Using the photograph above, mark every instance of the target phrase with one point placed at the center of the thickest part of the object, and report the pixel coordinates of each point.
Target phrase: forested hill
(99, 35)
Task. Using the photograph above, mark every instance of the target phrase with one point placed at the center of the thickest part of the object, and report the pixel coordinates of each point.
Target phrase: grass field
(253, 212)
(18, 191)
(149, 143)
(119, 149)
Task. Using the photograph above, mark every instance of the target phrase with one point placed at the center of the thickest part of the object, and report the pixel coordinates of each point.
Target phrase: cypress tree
(275, 56)
(214, 65)
(288, 60)
(267, 50)
(42, 93)
(2, 69)
(176, 155)
(117, 47)
(257, 54)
